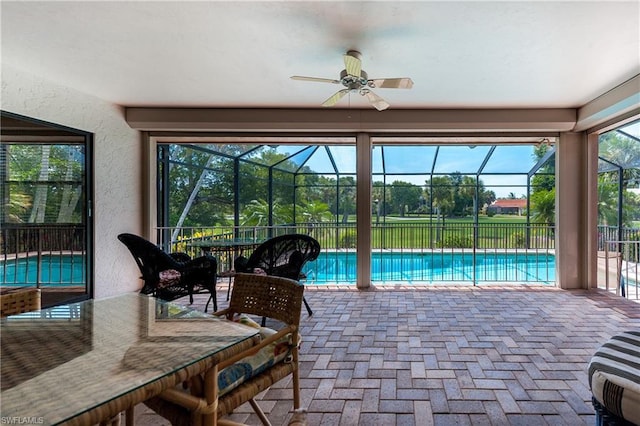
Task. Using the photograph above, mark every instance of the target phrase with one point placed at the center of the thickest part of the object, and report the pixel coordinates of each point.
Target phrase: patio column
(591, 212)
(363, 210)
(572, 182)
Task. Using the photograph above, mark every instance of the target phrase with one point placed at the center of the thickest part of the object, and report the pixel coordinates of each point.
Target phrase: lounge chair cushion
(614, 376)
(236, 374)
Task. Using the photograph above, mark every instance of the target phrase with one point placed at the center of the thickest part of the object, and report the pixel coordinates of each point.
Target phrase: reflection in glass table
(86, 362)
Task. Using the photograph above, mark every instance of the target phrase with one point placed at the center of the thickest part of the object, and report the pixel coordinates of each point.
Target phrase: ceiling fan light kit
(356, 80)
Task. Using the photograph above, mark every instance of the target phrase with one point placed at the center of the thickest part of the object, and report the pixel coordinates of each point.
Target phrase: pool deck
(443, 356)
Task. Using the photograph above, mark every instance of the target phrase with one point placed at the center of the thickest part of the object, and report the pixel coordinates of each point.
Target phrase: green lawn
(500, 231)
(469, 219)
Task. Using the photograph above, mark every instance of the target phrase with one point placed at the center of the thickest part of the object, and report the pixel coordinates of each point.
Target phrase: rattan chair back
(266, 296)
(18, 301)
(277, 298)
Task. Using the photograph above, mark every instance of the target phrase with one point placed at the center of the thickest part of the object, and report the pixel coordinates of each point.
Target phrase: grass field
(500, 231)
(481, 219)
(392, 232)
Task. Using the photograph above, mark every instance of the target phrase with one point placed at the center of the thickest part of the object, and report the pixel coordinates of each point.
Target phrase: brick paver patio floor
(444, 356)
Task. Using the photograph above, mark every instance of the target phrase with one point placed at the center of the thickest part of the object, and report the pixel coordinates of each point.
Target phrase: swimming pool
(433, 267)
(338, 267)
(55, 271)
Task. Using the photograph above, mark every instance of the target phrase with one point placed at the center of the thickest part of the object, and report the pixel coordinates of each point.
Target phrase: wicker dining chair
(283, 256)
(170, 276)
(18, 301)
(277, 298)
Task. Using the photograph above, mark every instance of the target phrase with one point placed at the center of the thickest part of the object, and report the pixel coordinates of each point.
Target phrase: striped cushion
(250, 366)
(614, 375)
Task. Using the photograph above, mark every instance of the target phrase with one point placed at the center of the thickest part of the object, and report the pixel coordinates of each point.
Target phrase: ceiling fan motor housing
(353, 82)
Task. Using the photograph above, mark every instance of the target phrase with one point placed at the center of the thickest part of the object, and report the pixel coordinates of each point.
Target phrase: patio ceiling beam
(353, 120)
(614, 105)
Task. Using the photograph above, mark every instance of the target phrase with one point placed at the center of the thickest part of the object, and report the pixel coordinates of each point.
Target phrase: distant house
(515, 206)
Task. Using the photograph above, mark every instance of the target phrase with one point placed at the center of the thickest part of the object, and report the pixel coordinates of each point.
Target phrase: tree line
(198, 187)
(204, 184)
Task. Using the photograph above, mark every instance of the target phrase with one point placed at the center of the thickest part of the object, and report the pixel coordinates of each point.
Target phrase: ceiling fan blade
(353, 65)
(375, 100)
(335, 98)
(392, 83)
(316, 79)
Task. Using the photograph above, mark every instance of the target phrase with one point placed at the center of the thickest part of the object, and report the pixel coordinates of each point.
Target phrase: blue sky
(401, 159)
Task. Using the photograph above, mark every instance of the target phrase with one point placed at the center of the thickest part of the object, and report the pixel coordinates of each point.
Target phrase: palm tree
(19, 205)
(316, 211)
(624, 152)
(543, 205)
(607, 201)
(256, 213)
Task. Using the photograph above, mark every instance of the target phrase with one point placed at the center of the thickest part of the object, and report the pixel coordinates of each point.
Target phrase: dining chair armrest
(222, 313)
(291, 329)
(20, 300)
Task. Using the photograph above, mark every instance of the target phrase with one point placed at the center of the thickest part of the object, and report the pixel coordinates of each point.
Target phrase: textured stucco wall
(117, 153)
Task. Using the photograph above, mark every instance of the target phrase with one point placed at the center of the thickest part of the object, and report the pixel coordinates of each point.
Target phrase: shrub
(518, 239)
(348, 239)
(456, 241)
(632, 251)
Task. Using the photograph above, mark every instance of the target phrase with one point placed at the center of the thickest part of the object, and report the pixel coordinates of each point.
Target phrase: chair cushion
(169, 278)
(236, 374)
(614, 376)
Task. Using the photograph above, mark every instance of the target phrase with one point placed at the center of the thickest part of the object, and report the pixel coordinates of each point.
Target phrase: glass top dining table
(226, 243)
(226, 250)
(85, 362)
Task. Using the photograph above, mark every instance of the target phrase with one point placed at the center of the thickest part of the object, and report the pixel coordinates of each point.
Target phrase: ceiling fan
(355, 79)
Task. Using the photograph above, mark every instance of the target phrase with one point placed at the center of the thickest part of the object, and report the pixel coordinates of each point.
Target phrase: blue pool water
(436, 267)
(60, 270)
(338, 267)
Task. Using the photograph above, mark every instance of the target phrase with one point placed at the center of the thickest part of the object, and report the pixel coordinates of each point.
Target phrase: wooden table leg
(129, 420)
(211, 395)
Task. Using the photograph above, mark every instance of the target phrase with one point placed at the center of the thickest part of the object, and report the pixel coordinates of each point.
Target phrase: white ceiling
(522, 54)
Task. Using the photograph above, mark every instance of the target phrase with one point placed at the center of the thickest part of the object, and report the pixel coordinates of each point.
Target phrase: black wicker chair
(170, 276)
(282, 256)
